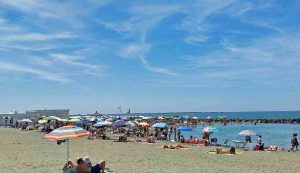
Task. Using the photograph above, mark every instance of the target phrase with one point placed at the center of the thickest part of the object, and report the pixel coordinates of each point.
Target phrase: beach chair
(213, 141)
(239, 144)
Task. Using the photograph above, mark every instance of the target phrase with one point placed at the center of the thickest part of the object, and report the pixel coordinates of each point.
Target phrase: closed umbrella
(210, 129)
(184, 128)
(65, 133)
(248, 133)
(160, 125)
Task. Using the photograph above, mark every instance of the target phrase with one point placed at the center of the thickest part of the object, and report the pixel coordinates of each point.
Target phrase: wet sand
(26, 152)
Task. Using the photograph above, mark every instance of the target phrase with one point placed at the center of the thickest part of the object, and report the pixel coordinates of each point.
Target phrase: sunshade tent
(26, 121)
(248, 133)
(143, 124)
(119, 123)
(65, 133)
(210, 129)
(184, 128)
(160, 125)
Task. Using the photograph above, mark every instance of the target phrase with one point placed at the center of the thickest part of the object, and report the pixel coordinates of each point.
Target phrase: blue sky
(163, 56)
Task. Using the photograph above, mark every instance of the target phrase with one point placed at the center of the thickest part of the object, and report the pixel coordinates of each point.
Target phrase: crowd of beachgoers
(147, 130)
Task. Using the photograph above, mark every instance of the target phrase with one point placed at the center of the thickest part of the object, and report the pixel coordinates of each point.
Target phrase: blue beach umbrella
(185, 128)
(160, 125)
(119, 123)
(81, 122)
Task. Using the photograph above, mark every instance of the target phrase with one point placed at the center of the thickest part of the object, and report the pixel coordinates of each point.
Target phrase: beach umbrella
(161, 118)
(52, 118)
(26, 121)
(130, 123)
(160, 125)
(61, 119)
(184, 128)
(105, 123)
(78, 123)
(75, 117)
(143, 124)
(73, 120)
(119, 123)
(125, 118)
(169, 117)
(209, 117)
(98, 125)
(195, 118)
(176, 118)
(210, 129)
(65, 133)
(42, 121)
(248, 133)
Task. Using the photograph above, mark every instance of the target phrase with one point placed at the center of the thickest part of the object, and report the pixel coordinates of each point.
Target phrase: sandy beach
(26, 152)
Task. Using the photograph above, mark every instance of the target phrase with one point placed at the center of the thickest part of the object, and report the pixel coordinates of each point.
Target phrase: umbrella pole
(67, 150)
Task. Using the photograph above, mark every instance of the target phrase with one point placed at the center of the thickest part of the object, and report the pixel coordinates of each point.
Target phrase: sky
(149, 56)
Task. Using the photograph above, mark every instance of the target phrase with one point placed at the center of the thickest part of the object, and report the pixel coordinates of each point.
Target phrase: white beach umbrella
(26, 121)
(248, 133)
(105, 123)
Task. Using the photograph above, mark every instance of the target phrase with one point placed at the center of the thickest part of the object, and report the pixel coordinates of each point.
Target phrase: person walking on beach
(178, 135)
(175, 134)
(169, 133)
(294, 142)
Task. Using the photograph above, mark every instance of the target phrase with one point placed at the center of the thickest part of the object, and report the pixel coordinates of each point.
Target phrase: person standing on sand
(294, 142)
(175, 134)
(178, 135)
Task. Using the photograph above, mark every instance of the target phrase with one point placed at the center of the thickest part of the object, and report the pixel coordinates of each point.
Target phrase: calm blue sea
(241, 115)
(273, 134)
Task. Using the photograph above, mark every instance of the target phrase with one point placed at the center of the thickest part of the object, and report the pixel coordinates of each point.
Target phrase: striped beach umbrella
(65, 133)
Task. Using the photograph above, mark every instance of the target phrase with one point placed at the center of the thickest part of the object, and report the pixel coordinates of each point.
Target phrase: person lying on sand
(84, 166)
(174, 147)
(221, 151)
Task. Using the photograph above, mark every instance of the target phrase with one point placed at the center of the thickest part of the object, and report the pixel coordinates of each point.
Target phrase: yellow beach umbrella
(143, 124)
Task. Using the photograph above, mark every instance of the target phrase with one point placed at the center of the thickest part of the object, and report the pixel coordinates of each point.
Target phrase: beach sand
(27, 152)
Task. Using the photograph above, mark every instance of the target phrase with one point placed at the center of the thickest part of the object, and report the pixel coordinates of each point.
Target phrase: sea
(272, 134)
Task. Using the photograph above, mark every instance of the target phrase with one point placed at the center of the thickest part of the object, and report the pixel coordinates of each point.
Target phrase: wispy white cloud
(37, 37)
(11, 67)
(73, 60)
(40, 61)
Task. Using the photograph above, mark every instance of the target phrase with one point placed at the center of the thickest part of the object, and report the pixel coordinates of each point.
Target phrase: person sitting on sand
(174, 147)
(84, 166)
(221, 151)
(150, 139)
